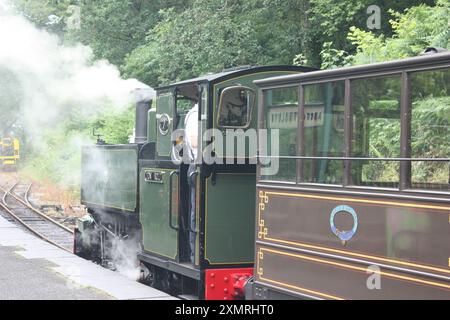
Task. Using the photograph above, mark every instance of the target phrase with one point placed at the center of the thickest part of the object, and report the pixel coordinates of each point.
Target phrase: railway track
(15, 203)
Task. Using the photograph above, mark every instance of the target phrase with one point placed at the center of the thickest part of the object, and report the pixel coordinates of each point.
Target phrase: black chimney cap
(432, 50)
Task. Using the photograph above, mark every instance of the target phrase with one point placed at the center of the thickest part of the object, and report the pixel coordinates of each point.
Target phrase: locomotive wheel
(164, 281)
(148, 275)
(158, 278)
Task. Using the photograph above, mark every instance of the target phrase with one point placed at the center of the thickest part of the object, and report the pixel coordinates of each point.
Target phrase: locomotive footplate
(258, 291)
(185, 269)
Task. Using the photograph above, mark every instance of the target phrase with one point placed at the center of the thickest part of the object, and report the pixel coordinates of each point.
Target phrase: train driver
(191, 137)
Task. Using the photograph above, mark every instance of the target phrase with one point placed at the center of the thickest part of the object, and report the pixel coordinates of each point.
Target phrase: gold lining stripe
(140, 215)
(206, 221)
(400, 204)
(302, 289)
(158, 142)
(197, 221)
(421, 266)
(135, 190)
(361, 269)
(350, 253)
(260, 272)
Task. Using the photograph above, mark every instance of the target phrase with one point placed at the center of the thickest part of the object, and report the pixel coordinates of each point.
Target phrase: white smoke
(124, 256)
(55, 80)
(54, 83)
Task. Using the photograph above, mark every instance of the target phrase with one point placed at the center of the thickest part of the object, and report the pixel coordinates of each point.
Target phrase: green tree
(331, 20)
(113, 28)
(10, 93)
(419, 27)
(212, 35)
(49, 14)
(115, 127)
(203, 38)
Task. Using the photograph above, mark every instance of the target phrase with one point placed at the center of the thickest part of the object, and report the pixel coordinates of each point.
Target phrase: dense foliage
(162, 41)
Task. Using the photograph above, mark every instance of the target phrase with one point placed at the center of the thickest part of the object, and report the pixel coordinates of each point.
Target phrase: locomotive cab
(197, 184)
(181, 199)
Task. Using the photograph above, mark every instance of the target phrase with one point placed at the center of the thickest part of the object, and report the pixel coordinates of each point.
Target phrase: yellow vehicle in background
(9, 153)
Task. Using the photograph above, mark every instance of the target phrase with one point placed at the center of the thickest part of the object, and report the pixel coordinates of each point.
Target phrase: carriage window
(324, 132)
(281, 116)
(235, 107)
(376, 130)
(430, 129)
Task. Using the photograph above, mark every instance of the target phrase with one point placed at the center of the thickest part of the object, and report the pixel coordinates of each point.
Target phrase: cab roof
(234, 72)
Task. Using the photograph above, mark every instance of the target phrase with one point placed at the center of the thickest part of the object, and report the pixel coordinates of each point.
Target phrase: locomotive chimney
(144, 97)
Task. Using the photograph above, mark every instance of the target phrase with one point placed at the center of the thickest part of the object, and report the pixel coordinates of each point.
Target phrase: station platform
(32, 269)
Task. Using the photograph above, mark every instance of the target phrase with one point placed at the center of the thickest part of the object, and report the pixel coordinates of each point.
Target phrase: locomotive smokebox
(144, 98)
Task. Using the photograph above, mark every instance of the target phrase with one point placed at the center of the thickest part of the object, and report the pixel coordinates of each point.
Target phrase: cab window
(235, 107)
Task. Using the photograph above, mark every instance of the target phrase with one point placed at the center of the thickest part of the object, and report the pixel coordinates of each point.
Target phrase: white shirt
(191, 131)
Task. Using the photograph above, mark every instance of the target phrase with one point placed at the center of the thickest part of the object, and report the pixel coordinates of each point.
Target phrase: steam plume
(49, 81)
(43, 83)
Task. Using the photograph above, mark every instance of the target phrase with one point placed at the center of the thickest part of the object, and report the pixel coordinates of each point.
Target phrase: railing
(404, 180)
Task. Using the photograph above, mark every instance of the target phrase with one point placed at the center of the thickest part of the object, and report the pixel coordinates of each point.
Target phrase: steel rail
(10, 211)
(28, 204)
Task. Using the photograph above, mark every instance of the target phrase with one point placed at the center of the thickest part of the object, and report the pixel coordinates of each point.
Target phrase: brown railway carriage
(360, 205)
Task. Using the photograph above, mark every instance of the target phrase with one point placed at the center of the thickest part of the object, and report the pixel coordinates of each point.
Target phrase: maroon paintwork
(409, 241)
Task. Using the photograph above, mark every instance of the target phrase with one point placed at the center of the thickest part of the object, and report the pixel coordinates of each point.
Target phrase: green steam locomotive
(189, 222)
